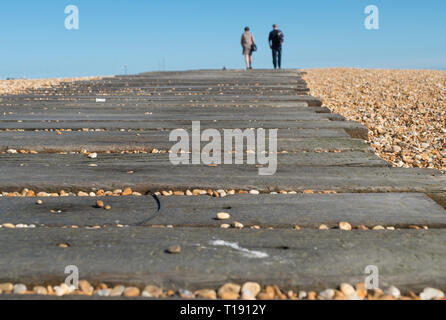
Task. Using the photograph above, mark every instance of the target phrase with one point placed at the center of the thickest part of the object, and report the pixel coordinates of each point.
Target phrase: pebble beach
(22, 86)
(404, 110)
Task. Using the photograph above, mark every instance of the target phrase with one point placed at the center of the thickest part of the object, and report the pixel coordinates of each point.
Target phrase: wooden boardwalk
(323, 160)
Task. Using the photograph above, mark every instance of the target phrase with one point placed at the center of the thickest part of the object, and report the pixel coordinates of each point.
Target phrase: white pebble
(347, 289)
(20, 288)
(431, 293)
(394, 292)
(103, 293)
(327, 294)
(302, 295)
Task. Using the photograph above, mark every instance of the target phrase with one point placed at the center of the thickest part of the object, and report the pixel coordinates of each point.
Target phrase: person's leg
(247, 61)
(250, 62)
(274, 58)
(279, 57)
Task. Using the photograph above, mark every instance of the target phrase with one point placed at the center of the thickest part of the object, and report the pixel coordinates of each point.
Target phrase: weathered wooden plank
(290, 259)
(113, 116)
(36, 106)
(122, 97)
(167, 109)
(202, 89)
(146, 141)
(158, 125)
(154, 178)
(158, 135)
(278, 211)
(136, 161)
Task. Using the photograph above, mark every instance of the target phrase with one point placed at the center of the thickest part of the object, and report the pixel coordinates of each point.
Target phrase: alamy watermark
(189, 151)
(72, 280)
(72, 20)
(371, 22)
(372, 280)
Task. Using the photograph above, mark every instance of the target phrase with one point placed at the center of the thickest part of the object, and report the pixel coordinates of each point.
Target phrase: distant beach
(20, 86)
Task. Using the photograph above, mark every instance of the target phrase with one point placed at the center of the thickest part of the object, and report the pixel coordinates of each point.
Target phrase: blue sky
(198, 34)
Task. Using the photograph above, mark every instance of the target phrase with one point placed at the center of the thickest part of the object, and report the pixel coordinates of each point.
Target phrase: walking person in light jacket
(249, 45)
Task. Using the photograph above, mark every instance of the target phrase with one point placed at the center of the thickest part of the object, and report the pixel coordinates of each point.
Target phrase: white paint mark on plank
(234, 245)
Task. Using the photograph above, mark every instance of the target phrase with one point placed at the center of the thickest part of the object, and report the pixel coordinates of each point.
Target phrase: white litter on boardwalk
(246, 252)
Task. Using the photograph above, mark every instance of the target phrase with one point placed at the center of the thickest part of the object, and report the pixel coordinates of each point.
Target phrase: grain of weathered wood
(312, 102)
(162, 108)
(352, 128)
(105, 116)
(146, 141)
(15, 177)
(137, 161)
(304, 259)
(278, 211)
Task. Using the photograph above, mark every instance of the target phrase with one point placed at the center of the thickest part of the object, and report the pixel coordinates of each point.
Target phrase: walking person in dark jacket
(275, 43)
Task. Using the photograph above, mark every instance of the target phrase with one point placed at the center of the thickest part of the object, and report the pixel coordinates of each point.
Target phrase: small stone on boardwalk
(131, 292)
(327, 294)
(174, 250)
(345, 226)
(431, 293)
(347, 289)
(250, 290)
(6, 287)
(223, 216)
(394, 292)
(229, 291)
(152, 292)
(85, 287)
(238, 225)
(19, 289)
(117, 291)
(206, 294)
(99, 204)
